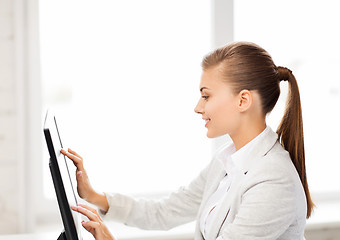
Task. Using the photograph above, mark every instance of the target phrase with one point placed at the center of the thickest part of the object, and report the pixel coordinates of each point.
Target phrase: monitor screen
(61, 177)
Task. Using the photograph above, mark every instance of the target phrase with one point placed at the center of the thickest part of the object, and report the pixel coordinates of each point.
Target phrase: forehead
(212, 79)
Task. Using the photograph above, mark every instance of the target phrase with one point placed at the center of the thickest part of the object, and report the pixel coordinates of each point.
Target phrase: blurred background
(123, 79)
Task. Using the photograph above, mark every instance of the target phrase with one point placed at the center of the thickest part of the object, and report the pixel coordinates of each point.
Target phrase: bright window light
(123, 78)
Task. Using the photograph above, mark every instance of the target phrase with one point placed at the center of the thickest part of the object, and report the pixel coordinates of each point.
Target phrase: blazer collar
(243, 159)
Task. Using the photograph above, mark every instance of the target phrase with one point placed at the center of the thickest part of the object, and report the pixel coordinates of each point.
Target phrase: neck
(246, 133)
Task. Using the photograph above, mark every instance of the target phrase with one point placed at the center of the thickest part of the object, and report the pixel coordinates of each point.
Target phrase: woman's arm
(100, 200)
(178, 208)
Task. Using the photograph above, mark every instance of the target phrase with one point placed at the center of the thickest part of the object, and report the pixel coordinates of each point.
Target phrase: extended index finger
(86, 212)
(74, 153)
(76, 160)
(90, 209)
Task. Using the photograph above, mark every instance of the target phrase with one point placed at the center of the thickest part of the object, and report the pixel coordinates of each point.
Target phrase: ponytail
(290, 131)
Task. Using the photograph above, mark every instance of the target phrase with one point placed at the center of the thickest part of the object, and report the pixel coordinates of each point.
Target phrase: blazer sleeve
(271, 202)
(178, 208)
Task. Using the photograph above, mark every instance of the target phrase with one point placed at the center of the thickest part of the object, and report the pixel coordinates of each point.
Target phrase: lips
(206, 121)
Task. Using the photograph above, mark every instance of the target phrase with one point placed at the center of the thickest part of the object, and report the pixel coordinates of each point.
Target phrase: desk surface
(40, 236)
(33, 236)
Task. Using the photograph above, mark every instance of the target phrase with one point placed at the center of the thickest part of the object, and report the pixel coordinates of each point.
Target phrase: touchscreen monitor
(66, 196)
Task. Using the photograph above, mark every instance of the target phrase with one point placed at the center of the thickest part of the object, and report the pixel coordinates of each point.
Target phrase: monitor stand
(62, 236)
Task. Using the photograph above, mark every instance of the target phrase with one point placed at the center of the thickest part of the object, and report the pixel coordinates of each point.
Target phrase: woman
(254, 188)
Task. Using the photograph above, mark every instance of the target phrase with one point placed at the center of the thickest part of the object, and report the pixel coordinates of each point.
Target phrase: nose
(199, 109)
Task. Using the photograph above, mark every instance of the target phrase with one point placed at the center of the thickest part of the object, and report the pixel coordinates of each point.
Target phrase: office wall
(9, 163)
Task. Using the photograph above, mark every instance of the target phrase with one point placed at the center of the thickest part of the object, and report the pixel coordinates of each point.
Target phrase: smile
(206, 122)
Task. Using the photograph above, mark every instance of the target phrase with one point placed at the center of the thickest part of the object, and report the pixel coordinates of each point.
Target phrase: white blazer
(266, 200)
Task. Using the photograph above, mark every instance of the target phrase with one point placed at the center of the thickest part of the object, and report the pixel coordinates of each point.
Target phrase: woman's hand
(84, 187)
(96, 225)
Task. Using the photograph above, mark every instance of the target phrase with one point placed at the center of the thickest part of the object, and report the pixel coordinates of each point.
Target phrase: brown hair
(247, 66)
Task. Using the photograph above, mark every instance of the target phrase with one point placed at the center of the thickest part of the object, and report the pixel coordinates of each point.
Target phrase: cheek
(224, 114)
(228, 111)
(221, 109)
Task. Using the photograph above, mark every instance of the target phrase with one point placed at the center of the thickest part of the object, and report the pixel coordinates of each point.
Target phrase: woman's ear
(245, 100)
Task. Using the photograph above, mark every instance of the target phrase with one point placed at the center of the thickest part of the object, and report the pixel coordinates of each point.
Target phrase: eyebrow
(202, 88)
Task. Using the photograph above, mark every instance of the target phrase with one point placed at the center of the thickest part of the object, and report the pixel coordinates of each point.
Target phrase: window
(123, 78)
(301, 35)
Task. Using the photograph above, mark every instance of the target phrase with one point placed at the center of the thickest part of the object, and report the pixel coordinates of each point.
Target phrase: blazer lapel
(218, 169)
(224, 208)
(213, 186)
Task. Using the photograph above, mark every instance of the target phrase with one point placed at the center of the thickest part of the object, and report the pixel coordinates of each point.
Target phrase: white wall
(19, 91)
(9, 163)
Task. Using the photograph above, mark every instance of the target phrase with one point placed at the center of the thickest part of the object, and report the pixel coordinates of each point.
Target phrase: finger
(76, 161)
(66, 153)
(90, 209)
(91, 227)
(90, 215)
(74, 158)
(74, 153)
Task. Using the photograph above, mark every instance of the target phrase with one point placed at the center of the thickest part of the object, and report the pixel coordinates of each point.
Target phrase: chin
(213, 135)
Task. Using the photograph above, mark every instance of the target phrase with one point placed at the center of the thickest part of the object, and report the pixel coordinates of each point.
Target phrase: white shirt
(229, 158)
